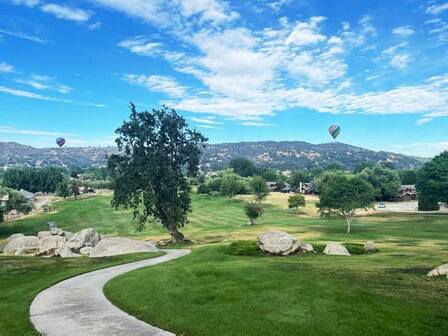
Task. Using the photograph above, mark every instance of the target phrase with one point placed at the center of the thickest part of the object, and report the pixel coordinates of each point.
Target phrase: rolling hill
(281, 155)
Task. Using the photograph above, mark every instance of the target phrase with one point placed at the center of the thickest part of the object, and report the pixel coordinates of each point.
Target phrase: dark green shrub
(244, 248)
(203, 189)
(355, 248)
(319, 248)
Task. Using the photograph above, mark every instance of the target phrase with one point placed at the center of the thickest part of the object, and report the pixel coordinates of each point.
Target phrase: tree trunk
(176, 235)
(349, 218)
(251, 221)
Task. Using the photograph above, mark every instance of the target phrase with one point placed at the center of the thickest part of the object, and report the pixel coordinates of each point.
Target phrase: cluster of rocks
(284, 244)
(438, 271)
(59, 243)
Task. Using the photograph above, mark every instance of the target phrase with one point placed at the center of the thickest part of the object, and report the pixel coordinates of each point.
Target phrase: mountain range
(282, 155)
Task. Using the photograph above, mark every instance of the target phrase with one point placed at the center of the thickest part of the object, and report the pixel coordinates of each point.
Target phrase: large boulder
(278, 243)
(42, 234)
(369, 246)
(21, 245)
(85, 250)
(83, 238)
(305, 247)
(114, 246)
(65, 252)
(49, 244)
(14, 236)
(441, 270)
(336, 249)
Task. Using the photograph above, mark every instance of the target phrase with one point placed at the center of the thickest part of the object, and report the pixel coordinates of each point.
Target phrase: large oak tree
(157, 153)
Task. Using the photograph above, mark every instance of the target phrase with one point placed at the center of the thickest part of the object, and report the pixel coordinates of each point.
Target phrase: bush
(428, 203)
(355, 248)
(203, 189)
(319, 248)
(253, 211)
(244, 248)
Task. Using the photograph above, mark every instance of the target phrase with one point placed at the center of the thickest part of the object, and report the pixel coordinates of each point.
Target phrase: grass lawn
(211, 292)
(22, 278)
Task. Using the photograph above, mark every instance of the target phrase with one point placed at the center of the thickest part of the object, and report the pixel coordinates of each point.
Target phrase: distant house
(4, 200)
(286, 188)
(407, 193)
(273, 186)
(31, 197)
(306, 188)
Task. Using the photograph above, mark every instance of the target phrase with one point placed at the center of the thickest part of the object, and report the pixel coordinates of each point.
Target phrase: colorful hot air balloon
(334, 131)
(60, 142)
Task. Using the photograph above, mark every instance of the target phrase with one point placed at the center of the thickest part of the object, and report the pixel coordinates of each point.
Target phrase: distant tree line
(33, 179)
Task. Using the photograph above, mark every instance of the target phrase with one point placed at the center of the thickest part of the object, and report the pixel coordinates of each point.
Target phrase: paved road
(78, 307)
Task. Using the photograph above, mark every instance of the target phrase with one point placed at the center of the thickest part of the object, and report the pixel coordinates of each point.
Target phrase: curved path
(78, 307)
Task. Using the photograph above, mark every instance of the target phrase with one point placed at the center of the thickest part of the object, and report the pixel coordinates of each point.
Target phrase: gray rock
(115, 246)
(305, 247)
(336, 249)
(56, 231)
(438, 271)
(26, 245)
(278, 243)
(369, 246)
(14, 236)
(42, 234)
(49, 244)
(83, 238)
(85, 250)
(65, 252)
(67, 234)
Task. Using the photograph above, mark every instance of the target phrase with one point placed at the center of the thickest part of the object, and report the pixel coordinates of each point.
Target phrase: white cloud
(437, 9)
(206, 120)
(163, 84)
(66, 13)
(141, 45)
(6, 68)
(423, 121)
(306, 32)
(423, 149)
(28, 3)
(22, 93)
(23, 35)
(403, 31)
(256, 124)
(12, 130)
(40, 82)
(400, 61)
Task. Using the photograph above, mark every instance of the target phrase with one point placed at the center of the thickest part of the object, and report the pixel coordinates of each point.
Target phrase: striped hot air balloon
(60, 142)
(334, 131)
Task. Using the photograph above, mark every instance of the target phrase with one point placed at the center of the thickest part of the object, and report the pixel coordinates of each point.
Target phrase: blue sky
(237, 70)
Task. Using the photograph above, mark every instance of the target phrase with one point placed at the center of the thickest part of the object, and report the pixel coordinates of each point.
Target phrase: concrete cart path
(78, 307)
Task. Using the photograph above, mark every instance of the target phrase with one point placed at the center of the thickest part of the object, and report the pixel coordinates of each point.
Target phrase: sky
(236, 70)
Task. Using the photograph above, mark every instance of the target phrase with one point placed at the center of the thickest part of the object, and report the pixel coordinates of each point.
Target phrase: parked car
(381, 205)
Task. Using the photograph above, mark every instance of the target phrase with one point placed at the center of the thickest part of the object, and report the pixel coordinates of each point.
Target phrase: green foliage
(63, 188)
(408, 176)
(259, 188)
(385, 181)
(34, 179)
(295, 201)
(74, 188)
(247, 248)
(299, 176)
(16, 201)
(157, 153)
(355, 248)
(233, 184)
(243, 167)
(342, 195)
(203, 189)
(432, 183)
(270, 175)
(253, 211)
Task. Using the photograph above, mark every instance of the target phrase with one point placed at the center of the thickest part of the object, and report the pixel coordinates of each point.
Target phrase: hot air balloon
(60, 142)
(334, 131)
